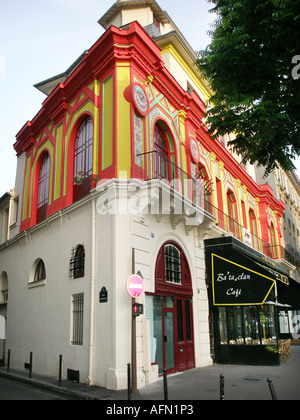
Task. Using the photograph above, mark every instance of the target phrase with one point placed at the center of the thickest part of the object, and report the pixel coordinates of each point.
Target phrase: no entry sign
(135, 286)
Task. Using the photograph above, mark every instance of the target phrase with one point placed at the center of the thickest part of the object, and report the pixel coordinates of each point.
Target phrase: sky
(40, 39)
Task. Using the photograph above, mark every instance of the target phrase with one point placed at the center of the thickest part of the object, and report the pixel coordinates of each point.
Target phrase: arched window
(204, 184)
(3, 287)
(77, 263)
(162, 155)
(273, 241)
(165, 158)
(43, 189)
(83, 157)
(172, 270)
(172, 264)
(40, 271)
(232, 213)
(253, 229)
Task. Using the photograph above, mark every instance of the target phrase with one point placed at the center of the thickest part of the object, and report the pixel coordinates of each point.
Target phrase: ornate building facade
(118, 175)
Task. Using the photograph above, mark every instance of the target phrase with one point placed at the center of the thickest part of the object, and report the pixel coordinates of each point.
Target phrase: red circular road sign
(135, 286)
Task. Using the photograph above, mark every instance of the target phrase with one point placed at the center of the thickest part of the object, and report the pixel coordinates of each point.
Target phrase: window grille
(77, 334)
(4, 296)
(77, 263)
(173, 264)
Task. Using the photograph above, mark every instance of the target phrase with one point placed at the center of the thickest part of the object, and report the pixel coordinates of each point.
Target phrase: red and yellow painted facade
(96, 89)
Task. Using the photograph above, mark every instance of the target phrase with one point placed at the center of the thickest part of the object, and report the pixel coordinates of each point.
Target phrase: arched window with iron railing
(77, 263)
(233, 222)
(253, 229)
(83, 158)
(162, 165)
(204, 183)
(165, 159)
(273, 241)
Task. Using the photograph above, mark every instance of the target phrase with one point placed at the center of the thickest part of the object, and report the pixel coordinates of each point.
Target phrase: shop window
(248, 325)
(251, 325)
(234, 324)
(154, 313)
(267, 323)
(43, 189)
(83, 158)
(223, 326)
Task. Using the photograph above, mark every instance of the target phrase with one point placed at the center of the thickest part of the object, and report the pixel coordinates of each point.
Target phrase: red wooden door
(184, 348)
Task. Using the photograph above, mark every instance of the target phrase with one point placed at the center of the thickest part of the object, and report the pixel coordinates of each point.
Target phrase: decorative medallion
(193, 150)
(136, 94)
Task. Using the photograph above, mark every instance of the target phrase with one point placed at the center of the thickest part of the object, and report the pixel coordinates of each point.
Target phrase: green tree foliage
(249, 66)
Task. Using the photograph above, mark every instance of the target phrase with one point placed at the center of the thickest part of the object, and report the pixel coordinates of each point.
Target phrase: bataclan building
(116, 176)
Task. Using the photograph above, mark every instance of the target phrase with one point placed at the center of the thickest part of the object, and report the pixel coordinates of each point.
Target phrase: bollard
(166, 396)
(272, 390)
(222, 388)
(60, 370)
(8, 360)
(128, 382)
(30, 362)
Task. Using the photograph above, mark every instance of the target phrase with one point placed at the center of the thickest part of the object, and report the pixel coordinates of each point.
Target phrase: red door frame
(184, 353)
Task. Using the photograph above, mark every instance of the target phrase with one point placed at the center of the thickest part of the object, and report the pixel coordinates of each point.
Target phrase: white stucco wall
(39, 315)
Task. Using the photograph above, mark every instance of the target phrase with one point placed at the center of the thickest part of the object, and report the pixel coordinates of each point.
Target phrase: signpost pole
(135, 289)
(133, 332)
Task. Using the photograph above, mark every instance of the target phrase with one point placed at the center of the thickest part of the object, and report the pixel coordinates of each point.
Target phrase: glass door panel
(157, 340)
(169, 340)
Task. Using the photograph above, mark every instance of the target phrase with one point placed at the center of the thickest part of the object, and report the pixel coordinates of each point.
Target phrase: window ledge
(36, 284)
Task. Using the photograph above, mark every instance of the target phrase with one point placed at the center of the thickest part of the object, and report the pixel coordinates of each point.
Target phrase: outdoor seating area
(249, 341)
(284, 350)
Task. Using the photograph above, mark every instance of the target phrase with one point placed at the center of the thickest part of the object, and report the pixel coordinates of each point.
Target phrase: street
(242, 382)
(14, 390)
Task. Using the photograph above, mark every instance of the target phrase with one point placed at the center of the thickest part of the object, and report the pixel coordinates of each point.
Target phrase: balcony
(157, 166)
(198, 191)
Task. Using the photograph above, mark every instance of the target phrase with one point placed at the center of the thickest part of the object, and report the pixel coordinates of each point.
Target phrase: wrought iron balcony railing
(157, 166)
(199, 191)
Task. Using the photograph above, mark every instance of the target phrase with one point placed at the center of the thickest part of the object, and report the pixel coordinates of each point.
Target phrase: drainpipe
(91, 379)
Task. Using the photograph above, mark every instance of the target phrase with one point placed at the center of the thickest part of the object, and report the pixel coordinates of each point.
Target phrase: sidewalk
(241, 383)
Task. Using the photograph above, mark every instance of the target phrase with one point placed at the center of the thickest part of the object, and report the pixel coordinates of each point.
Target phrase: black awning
(239, 276)
(289, 295)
